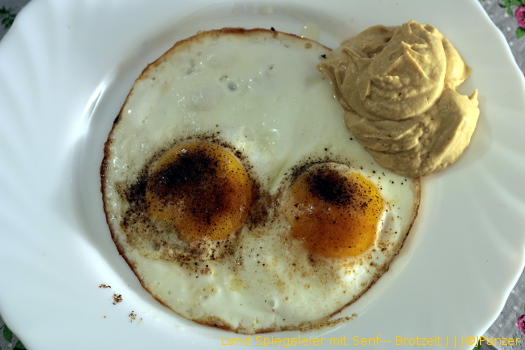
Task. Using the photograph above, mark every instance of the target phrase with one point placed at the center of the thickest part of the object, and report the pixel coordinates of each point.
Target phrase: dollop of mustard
(398, 88)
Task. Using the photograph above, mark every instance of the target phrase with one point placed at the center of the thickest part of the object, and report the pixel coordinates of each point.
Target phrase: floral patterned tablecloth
(509, 17)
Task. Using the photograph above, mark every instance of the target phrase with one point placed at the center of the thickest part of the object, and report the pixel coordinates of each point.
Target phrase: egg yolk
(335, 212)
(202, 189)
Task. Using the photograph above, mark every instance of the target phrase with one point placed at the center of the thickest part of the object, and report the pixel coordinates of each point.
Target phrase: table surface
(506, 325)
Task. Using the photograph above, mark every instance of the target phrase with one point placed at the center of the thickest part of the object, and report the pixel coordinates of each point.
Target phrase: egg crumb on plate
(237, 195)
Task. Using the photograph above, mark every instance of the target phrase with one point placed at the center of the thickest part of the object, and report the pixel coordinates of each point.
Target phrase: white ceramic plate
(65, 70)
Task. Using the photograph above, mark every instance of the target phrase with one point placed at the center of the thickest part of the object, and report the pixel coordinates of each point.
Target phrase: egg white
(257, 92)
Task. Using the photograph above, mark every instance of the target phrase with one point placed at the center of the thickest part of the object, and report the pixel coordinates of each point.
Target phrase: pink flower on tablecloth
(520, 15)
(521, 320)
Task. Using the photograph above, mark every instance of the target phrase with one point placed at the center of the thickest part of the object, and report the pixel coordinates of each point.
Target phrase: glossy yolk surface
(202, 189)
(334, 213)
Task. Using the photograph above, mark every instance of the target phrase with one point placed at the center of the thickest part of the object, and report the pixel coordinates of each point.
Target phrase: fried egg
(237, 195)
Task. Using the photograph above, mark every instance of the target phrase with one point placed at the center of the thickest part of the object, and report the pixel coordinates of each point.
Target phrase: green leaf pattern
(7, 17)
(19, 346)
(8, 337)
(512, 7)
